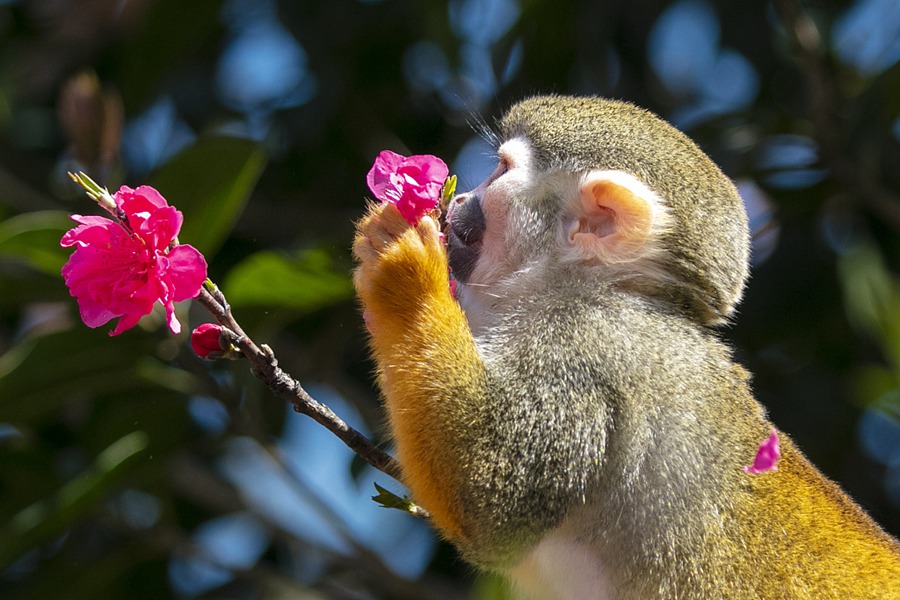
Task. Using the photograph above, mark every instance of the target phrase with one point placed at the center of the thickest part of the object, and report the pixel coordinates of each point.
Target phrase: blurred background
(129, 468)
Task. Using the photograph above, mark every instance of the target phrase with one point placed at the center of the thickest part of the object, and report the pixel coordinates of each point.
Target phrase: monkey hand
(428, 366)
(402, 270)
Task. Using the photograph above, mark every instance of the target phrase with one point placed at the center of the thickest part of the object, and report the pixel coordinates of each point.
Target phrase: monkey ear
(615, 217)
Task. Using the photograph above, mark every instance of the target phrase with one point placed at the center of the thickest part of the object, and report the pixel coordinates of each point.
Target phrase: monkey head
(589, 188)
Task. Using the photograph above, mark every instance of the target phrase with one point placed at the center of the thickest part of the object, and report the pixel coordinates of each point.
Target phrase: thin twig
(265, 367)
(262, 359)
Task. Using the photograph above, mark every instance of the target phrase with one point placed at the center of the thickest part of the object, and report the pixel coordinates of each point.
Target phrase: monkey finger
(392, 221)
(373, 236)
(379, 239)
(362, 248)
(429, 230)
(383, 228)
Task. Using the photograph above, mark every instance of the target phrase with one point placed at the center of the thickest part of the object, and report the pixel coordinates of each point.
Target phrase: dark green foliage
(114, 452)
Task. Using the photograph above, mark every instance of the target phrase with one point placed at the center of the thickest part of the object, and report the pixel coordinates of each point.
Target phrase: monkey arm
(496, 464)
(429, 369)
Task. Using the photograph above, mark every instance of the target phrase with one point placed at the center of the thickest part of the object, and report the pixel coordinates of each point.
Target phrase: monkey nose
(465, 232)
(466, 219)
(456, 201)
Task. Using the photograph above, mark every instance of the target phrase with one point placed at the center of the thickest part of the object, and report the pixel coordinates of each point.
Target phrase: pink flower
(411, 183)
(123, 269)
(767, 456)
(205, 340)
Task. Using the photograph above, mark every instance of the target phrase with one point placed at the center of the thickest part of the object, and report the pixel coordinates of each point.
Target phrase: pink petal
(142, 199)
(187, 271)
(412, 183)
(149, 215)
(93, 314)
(133, 298)
(429, 168)
(126, 323)
(766, 456)
(171, 320)
(379, 176)
(91, 230)
(161, 227)
(413, 204)
(151, 195)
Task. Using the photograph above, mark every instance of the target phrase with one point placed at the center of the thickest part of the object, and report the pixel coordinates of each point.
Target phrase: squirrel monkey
(574, 421)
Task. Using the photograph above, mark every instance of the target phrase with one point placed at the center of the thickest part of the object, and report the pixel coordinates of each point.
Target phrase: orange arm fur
(428, 368)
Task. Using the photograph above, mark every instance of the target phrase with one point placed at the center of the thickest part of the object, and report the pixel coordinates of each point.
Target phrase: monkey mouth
(465, 234)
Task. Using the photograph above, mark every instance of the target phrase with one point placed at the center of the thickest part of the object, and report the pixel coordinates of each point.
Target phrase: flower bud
(206, 341)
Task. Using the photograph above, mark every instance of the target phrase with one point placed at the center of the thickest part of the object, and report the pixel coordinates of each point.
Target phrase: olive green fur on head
(710, 245)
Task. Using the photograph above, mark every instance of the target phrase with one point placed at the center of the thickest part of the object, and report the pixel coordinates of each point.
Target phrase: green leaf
(304, 282)
(867, 287)
(38, 375)
(210, 183)
(34, 239)
(872, 298)
(889, 404)
(48, 517)
(447, 191)
(388, 499)
(104, 578)
(870, 382)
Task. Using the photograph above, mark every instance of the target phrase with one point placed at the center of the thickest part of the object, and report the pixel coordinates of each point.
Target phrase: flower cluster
(122, 268)
(412, 183)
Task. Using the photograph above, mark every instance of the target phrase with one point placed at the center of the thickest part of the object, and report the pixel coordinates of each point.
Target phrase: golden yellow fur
(591, 435)
(420, 342)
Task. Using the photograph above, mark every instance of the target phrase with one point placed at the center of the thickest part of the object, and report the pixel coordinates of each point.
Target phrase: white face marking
(511, 179)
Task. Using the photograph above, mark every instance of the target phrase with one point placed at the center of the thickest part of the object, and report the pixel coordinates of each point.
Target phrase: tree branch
(265, 367)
